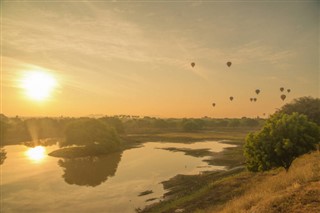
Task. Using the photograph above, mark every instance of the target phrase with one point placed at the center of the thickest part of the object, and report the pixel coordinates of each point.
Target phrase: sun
(38, 85)
(37, 153)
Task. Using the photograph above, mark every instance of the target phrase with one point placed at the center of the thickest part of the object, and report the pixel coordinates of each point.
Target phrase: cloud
(86, 37)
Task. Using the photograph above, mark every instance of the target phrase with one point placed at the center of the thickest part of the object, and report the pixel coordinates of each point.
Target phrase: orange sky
(134, 58)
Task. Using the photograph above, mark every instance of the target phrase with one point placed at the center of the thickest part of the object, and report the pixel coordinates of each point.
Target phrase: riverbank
(229, 135)
(237, 190)
(183, 189)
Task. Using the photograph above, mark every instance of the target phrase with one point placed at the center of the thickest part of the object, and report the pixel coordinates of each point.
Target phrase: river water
(32, 181)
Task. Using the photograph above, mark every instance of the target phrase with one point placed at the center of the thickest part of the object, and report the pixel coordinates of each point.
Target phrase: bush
(283, 138)
(305, 105)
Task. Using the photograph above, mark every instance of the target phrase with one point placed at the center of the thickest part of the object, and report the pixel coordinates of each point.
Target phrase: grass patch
(237, 190)
(297, 190)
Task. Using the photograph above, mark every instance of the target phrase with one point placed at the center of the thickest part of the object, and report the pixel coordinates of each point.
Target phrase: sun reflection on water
(36, 154)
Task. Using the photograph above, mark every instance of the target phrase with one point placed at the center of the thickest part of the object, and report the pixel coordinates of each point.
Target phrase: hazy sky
(134, 57)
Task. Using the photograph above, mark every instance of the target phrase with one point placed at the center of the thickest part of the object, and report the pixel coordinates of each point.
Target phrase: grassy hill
(297, 190)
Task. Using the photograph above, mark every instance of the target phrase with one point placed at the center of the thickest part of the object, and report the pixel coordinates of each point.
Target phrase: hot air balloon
(251, 99)
(229, 63)
(257, 91)
(288, 90)
(255, 99)
(231, 98)
(283, 97)
(213, 104)
(193, 64)
(281, 89)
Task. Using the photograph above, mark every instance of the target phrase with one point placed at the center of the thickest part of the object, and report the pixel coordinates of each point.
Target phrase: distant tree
(191, 126)
(305, 105)
(160, 123)
(222, 123)
(114, 122)
(250, 122)
(3, 127)
(91, 133)
(234, 123)
(282, 138)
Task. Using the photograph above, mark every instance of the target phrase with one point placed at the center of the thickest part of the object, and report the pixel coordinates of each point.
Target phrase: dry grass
(297, 190)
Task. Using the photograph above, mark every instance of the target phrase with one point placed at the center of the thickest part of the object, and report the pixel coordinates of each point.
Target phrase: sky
(134, 57)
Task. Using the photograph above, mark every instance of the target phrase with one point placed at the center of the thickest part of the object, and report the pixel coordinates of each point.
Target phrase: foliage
(114, 122)
(305, 105)
(234, 123)
(91, 133)
(3, 127)
(250, 122)
(283, 138)
(191, 125)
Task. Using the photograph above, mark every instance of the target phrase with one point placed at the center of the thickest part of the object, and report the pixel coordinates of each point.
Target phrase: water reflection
(36, 154)
(3, 155)
(90, 171)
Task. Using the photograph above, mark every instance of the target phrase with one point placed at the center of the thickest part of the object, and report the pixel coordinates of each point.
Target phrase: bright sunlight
(37, 153)
(38, 85)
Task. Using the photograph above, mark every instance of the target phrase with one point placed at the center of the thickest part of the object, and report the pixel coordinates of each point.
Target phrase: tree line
(19, 129)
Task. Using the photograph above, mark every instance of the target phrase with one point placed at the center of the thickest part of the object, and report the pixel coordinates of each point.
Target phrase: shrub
(283, 138)
(305, 105)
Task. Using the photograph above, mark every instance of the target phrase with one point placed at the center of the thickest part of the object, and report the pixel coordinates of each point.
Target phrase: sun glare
(38, 85)
(37, 153)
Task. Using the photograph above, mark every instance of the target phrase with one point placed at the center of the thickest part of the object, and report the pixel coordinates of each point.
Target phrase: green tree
(191, 126)
(91, 133)
(234, 123)
(250, 122)
(305, 105)
(282, 138)
(114, 122)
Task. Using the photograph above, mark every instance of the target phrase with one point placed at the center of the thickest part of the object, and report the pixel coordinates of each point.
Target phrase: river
(32, 181)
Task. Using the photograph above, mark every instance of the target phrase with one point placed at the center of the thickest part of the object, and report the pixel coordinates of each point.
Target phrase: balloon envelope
(255, 99)
(229, 63)
(193, 64)
(231, 98)
(281, 89)
(213, 104)
(283, 97)
(288, 90)
(257, 91)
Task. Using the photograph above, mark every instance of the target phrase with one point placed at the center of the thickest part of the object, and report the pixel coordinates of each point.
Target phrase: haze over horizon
(134, 58)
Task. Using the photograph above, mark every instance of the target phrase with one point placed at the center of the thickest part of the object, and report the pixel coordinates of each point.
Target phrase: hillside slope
(297, 190)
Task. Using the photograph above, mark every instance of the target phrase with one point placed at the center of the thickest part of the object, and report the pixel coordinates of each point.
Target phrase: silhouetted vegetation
(283, 138)
(91, 133)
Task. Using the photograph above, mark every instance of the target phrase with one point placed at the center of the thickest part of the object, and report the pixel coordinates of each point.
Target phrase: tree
(234, 123)
(191, 126)
(114, 122)
(282, 138)
(91, 133)
(250, 122)
(3, 127)
(305, 105)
